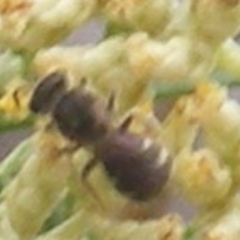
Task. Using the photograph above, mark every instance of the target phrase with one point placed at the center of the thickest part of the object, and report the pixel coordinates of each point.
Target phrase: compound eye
(47, 93)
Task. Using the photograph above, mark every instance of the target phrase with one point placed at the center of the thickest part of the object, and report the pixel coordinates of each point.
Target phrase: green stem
(172, 91)
(225, 79)
(113, 29)
(166, 91)
(189, 233)
(6, 125)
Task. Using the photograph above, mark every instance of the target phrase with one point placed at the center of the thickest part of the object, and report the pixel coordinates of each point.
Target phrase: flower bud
(166, 61)
(85, 224)
(180, 122)
(201, 177)
(150, 16)
(11, 66)
(28, 25)
(226, 226)
(38, 187)
(215, 20)
(228, 58)
(219, 118)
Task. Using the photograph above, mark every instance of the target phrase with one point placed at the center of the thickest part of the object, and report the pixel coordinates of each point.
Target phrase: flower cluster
(182, 54)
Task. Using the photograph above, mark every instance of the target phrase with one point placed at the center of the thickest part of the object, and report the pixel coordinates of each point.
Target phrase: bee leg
(49, 126)
(111, 102)
(126, 123)
(16, 98)
(83, 82)
(71, 149)
(84, 178)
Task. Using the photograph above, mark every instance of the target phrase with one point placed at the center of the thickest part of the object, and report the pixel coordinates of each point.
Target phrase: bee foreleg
(70, 149)
(16, 98)
(84, 178)
(126, 123)
(111, 102)
(88, 168)
(83, 82)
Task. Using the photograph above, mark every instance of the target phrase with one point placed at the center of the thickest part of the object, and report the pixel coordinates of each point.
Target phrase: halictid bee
(130, 160)
(74, 111)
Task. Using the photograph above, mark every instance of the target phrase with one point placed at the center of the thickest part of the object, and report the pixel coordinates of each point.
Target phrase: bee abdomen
(136, 171)
(145, 185)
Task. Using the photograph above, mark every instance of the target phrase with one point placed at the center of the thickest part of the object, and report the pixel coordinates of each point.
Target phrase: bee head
(47, 93)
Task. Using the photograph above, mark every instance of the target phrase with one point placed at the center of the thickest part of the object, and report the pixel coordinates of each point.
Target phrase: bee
(74, 111)
(130, 160)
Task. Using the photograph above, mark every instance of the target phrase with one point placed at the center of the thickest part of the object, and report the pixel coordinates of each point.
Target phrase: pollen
(13, 6)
